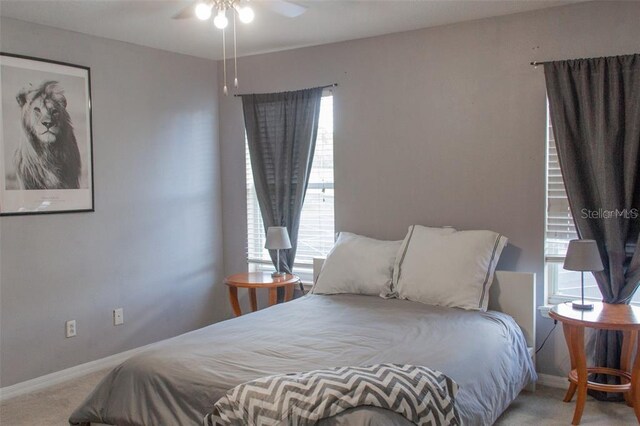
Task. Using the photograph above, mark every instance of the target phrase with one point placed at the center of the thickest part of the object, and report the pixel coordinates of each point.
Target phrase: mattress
(177, 381)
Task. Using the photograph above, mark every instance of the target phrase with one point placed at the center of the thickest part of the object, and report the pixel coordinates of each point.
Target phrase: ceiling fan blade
(187, 13)
(285, 8)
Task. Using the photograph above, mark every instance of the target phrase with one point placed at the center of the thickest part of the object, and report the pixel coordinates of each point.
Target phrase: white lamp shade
(583, 255)
(203, 11)
(221, 21)
(277, 238)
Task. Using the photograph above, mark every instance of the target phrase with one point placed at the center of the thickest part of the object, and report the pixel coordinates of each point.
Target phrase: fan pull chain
(235, 53)
(224, 64)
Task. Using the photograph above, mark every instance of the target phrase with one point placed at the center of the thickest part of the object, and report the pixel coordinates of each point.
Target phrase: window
(316, 232)
(562, 284)
(559, 230)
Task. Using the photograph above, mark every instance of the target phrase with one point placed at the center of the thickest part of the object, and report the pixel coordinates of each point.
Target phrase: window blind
(559, 227)
(316, 232)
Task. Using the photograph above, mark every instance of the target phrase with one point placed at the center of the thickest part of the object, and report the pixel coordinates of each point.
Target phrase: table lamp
(583, 255)
(277, 239)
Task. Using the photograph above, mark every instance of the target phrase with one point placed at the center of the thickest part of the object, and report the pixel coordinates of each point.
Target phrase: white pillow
(389, 291)
(452, 269)
(357, 265)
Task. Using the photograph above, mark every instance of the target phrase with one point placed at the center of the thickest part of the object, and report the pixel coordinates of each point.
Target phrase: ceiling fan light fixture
(245, 14)
(240, 10)
(203, 11)
(221, 21)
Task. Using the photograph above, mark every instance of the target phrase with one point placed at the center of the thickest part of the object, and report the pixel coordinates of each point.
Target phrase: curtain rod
(237, 95)
(536, 63)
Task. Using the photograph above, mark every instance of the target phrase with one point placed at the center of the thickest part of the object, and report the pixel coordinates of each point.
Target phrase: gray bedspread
(177, 381)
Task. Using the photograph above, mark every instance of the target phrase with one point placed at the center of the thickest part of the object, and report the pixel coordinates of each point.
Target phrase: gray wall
(442, 126)
(153, 245)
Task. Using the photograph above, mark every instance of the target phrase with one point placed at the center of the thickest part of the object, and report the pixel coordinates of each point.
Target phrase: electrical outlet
(544, 310)
(118, 316)
(70, 328)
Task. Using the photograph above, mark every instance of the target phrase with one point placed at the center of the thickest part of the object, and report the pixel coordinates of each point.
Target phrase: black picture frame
(50, 113)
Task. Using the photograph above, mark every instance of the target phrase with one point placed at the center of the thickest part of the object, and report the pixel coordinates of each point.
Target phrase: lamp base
(582, 306)
(277, 274)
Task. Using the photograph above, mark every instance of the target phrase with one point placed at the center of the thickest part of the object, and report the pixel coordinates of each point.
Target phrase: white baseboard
(553, 381)
(62, 376)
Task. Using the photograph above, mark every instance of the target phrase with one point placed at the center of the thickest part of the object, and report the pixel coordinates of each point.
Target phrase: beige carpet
(545, 407)
(52, 406)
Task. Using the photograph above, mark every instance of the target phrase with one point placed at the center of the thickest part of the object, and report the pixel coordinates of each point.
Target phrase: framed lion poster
(46, 155)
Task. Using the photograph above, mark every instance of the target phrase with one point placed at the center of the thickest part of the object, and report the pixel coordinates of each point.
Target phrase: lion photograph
(45, 139)
(48, 155)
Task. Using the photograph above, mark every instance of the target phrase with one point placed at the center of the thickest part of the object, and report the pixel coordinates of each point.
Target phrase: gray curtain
(595, 112)
(281, 131)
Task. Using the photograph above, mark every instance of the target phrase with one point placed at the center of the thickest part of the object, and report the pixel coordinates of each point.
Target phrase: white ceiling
(149, 23)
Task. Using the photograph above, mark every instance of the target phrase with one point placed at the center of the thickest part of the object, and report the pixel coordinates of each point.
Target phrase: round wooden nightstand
(255, 280)
(604, 316)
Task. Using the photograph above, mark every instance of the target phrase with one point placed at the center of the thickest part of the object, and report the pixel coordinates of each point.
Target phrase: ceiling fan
(281, 7)
(204, 9)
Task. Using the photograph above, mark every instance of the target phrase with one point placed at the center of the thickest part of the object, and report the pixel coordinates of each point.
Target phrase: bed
(177, 381)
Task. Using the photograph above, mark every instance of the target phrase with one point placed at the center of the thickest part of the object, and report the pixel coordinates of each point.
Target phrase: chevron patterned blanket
(420, 394)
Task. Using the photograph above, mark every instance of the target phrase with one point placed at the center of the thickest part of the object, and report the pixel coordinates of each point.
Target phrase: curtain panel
(595, 111)
(281, 132)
